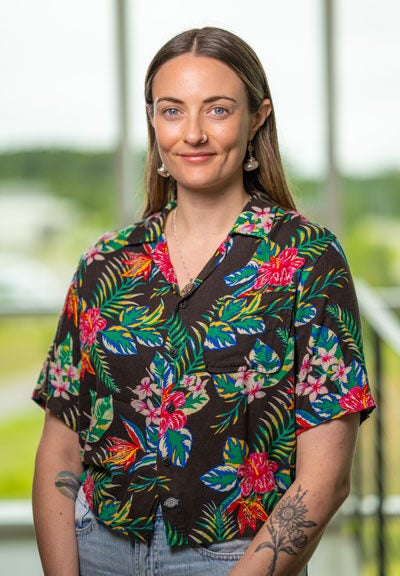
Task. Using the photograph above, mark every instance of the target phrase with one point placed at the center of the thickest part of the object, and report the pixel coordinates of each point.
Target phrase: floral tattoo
(68, 484)
(286, 527)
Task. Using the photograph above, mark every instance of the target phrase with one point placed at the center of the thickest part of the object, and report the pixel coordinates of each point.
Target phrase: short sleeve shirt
(193, 403)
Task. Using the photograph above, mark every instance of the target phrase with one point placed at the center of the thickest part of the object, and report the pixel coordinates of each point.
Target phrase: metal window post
(124, 197)
(332, 191)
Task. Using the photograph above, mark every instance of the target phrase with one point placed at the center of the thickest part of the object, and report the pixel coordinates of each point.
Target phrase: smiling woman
(207, 378)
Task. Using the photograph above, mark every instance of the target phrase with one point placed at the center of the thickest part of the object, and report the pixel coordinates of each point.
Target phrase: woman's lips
(197, 157)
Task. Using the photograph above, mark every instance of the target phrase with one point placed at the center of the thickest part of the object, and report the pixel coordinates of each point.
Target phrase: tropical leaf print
(103, 372)
(136, 325)
(239, 315)
(101, 417)
(348, 328)
(174, 536)
(215, 525)
(221, 478)
(111, 294)
(313, 240)
(305, 313)
(264, 358)
(176, 445)
(319, 288)
(64, 378)
(116, 515)
(234, 451)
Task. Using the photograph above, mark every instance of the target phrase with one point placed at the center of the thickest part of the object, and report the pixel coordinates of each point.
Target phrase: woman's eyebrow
(206, 101)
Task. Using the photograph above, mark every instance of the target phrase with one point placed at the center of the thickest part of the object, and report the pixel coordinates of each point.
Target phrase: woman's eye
(171, 112)
(220, 110)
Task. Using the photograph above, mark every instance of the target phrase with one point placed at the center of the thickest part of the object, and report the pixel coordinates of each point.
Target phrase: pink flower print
(171, 417)
(91, 323)
(56, 370)
(188, 381)
(340, 372)
(160, 256)
(244, 376)
(146, 388)
(279, 270)
(60, 387)
(197, 386)
(306, 368)
(139, 405)
(265, 217)
(254, 389)
(315, 387)
(357, 399)
(247, 227)
(257, 473)
(73, 373)
(88, 489)
(326, 358)
(301, 388)
(152, 413)
(93, 253)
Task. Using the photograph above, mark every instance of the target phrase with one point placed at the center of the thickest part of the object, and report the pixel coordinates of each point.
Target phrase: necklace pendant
(186, 289)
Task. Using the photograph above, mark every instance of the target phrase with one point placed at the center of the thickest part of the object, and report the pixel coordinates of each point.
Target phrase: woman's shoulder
(141, 231)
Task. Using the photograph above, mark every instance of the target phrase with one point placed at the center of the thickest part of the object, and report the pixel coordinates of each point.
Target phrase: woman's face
(196, 97)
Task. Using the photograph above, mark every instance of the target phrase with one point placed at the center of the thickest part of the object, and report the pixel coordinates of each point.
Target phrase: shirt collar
(256, 219)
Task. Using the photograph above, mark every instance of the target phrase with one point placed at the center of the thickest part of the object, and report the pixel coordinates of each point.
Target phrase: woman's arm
(285, 543)
(55, 486)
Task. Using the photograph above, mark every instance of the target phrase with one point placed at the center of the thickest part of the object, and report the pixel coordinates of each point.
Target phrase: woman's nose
(193, 133)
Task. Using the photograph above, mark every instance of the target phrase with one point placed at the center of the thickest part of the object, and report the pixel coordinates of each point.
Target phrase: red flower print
(88, 489)
(138, 265)
(124, 452)
(249, 512)
(257, 473)
(91, 323)
(357, 399)
(279, 270)
(71, 304)
(170, 416)
(160, 256)
(86, 365)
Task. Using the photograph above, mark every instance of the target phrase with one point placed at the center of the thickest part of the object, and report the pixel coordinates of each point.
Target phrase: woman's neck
(209, 214)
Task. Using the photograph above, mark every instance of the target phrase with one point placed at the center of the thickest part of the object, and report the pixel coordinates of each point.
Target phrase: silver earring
(251, 163)
(162, 171)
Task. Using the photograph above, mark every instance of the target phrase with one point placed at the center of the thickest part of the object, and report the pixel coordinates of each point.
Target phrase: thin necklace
(188, 287)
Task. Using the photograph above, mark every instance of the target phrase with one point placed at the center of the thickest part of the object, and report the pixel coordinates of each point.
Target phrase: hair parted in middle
(225, 46)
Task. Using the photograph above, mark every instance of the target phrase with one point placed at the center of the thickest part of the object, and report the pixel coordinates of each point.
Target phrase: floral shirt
(194, 403)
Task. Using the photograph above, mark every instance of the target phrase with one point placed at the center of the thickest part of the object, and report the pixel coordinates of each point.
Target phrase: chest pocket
(252, 331)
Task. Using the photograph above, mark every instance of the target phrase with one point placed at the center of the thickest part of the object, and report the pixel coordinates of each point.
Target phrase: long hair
(269, 179)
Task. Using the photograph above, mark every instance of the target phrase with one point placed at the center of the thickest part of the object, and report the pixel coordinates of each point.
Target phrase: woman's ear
(260, 116)
(149, 112)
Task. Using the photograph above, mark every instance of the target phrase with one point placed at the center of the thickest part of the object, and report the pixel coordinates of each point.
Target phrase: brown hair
(269, 178)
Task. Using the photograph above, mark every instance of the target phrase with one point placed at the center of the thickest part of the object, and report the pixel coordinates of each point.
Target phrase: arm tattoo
(68, 484)
(286, 528)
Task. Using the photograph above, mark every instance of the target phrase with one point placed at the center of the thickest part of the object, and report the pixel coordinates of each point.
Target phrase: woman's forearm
(53, 497)
(286, 542)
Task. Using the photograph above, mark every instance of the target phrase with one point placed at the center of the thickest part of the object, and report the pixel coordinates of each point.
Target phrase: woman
(206, 383)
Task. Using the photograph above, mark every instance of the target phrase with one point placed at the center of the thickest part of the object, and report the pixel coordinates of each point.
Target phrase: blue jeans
(102, 553)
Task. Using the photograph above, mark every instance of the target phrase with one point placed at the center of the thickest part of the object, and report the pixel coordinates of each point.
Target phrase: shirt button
(170, 408)
(173, 352)
(166, 461)
(183, 304)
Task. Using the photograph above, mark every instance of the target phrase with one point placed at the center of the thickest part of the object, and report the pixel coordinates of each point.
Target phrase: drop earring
(251, 163)
(162, 171)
